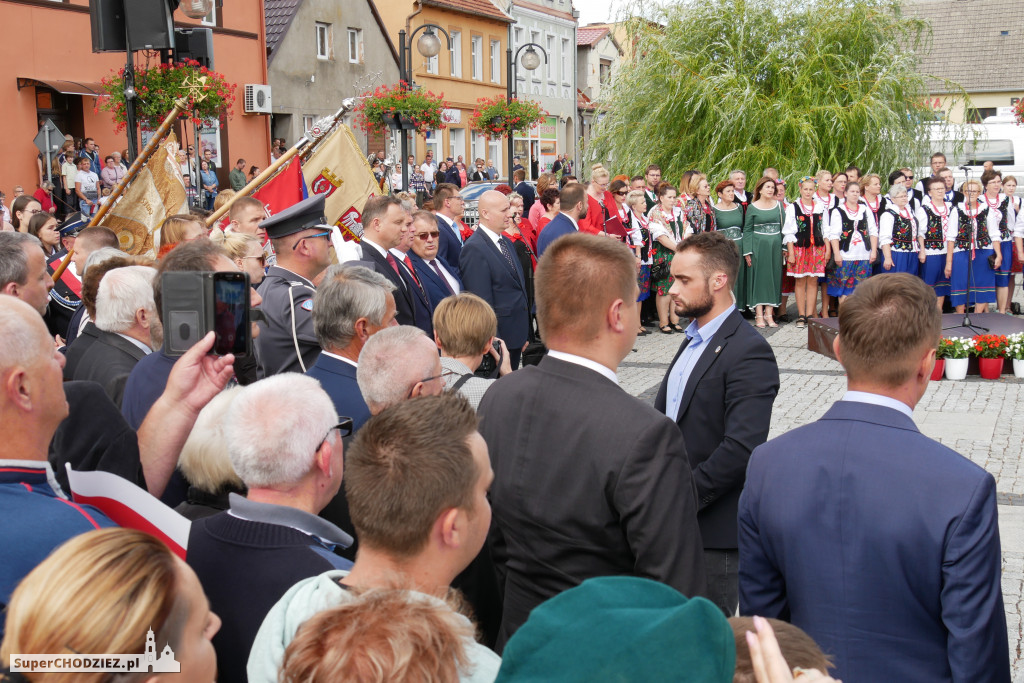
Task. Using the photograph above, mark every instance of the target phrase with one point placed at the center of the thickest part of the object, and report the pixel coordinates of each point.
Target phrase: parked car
(471, 194)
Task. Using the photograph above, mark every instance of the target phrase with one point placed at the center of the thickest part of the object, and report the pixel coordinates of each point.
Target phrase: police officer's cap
(72, 225)
(309, 213)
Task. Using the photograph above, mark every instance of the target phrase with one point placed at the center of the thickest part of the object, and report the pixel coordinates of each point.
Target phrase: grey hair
(346, 294)
(122, 292)
(99, 256)
(13, 261)
(735, 171)
(204, 458)
(278, 452)
(20, 345)
(897, 191)
(391, 364)
(633, 196)
(514, 195)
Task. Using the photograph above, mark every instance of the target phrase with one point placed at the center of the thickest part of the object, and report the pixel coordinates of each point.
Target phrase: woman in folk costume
(668, 227)
(729, 222)
(762, 250)
(897, 234)
(806, 248)
(1000, 207)
(700, 214)
(934, 217)
(970, 241)
(854, 237)
(639, 241)
(871, 186)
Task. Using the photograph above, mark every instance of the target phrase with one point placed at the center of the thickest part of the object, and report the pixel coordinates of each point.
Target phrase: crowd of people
(423, 468)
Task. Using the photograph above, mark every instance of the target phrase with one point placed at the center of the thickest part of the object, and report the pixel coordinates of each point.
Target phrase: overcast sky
(595, 11)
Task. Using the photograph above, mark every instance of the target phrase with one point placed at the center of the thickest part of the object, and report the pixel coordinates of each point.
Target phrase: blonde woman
(600, 202)
(105, 592)
(180, 227)
(700, 214)
(245, 250)
(970, 241)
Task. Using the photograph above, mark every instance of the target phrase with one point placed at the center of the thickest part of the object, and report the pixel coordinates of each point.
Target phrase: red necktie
(408, 263)
(444, 280)
(392, 262)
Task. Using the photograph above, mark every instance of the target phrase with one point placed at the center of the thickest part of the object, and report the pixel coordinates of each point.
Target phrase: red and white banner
(130, 507)
(285, 189)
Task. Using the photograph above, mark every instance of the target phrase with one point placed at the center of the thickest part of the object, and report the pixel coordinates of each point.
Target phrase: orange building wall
(46, 40)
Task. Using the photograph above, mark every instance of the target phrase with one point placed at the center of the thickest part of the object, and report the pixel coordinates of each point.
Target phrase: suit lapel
(513, 271)
(661, 400)
(712, 350)
(387, 271)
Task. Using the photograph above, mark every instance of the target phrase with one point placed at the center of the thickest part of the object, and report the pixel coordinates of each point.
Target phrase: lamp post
(428, 45)
(531, 60)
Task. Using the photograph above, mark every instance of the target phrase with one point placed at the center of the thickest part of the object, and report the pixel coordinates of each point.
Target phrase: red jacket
(594, 222)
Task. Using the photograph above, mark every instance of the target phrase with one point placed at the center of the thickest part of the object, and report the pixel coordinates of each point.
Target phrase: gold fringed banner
(338, 169)
(158, 191)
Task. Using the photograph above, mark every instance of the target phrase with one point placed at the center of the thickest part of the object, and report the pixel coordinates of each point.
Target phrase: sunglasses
(261, 257)
(622, 194)
(434, 234)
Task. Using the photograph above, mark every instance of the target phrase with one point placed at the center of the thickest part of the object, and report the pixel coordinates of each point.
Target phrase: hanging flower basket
(390, 107)
(1018, 112)
(157, 88)
(498, 117)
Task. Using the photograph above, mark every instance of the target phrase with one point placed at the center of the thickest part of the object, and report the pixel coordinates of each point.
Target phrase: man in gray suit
(589, 481)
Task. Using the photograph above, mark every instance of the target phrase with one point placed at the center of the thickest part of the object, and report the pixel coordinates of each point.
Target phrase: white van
(968, 146)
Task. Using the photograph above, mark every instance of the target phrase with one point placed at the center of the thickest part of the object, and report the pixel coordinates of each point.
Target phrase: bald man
(491, 271)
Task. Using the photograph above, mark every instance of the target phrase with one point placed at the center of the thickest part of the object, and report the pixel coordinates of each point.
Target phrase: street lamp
(428, 45)
(530, 62)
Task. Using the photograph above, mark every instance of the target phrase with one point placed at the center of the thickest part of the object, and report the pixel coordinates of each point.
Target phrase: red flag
(283, 190)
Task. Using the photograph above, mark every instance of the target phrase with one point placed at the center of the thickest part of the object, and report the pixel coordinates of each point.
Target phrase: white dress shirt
(586, 363)
(142, 346)
(878, 400)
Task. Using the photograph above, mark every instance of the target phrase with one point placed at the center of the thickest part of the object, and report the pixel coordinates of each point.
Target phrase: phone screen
(231, 313)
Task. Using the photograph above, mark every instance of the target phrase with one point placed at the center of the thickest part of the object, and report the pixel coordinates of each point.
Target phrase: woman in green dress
(762, 249)
(729, 222)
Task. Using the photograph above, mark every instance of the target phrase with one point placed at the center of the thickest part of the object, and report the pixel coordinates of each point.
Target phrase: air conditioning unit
(257, 98)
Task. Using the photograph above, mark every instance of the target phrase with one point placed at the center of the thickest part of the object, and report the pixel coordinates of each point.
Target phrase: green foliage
(754, 83)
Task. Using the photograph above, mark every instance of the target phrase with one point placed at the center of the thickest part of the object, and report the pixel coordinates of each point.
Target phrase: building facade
(989, 68)
(552, 25)
(597, 59)
(473, 68)
(50, 72)
(321, 52)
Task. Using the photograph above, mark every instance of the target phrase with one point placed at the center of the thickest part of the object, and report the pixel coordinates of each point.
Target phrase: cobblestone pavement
(974, 417)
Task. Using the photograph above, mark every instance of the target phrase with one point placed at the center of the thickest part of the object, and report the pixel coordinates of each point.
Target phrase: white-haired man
(396, 364)
(248, 556)
(351, 305)
(126, 330)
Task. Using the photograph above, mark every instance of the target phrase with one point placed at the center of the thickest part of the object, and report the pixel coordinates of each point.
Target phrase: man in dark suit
(448, 207)
(491, 271)
(880, 543)
(438, 278)
(719, 389)
(955, 197)
(573, 209)
(422, 310)
(351, 304)
(126, 330)
(525, 190)
(588, 480)
(384, 222)
(452, 175)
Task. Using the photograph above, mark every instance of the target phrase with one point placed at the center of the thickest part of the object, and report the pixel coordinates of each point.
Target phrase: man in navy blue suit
(880, 543)
(491, 271)
(438, 277)
(448, 206)
(351, 304)
(422, 310)
(573, 200)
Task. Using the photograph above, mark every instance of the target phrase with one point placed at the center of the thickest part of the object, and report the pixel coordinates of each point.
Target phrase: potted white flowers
(1015, 350)
(956, 351)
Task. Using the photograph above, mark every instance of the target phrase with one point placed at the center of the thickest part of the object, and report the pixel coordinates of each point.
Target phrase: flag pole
(179, 107)
(313, 136)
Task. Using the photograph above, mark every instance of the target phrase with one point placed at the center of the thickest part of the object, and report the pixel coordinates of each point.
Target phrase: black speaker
(107, 20)
(194, 43)
(150, 24)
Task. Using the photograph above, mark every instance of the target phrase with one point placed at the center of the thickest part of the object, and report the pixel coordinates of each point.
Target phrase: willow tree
(754, 83)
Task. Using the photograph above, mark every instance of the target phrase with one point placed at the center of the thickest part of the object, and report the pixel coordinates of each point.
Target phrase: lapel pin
(717, 349)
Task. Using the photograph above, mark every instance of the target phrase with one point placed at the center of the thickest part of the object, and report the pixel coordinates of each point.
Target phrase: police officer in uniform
(302, 241)
(65, 297)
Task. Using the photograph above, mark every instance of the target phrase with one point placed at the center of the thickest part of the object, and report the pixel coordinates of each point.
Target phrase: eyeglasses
(309, 237)
(344, 426)
(434, 234)
(261, 257)
(423, 381)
